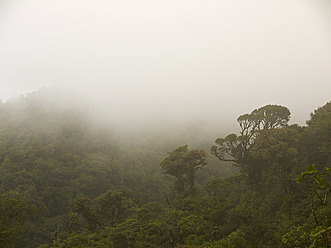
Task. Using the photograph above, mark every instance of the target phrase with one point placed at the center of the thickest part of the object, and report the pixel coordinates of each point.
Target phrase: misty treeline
(67, 181)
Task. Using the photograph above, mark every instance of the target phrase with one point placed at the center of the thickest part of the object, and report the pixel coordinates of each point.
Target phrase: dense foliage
(68, 182)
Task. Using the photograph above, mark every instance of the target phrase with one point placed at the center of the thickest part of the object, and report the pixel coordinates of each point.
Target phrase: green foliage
(74, 172)
(107, 209)
(316, 138)
(297, 237)
(237, 148)
(271, 116)
(235, 239)
(14, 212)
(85, 240)
(183, 164)
(321, 234)
(53, 155)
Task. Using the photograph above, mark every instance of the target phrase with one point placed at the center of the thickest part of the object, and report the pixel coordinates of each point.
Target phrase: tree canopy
(235, 147)
(183, 164)
(67, 183)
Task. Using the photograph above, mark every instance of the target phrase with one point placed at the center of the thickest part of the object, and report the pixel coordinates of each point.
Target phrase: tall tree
(236, 148)
(183, 164)
(317, 137)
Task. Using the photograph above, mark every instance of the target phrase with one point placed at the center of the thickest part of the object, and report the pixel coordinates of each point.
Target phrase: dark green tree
(236, 148)
(319, 184)
(83, 215)
(112, 206)
(183, 164)
(14, 211)
(317, 137)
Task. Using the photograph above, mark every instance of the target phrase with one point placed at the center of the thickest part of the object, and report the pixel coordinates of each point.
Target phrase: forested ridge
(67, 181)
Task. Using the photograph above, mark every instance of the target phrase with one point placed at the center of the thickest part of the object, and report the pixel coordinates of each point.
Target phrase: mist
(156, 64)
(118, 123)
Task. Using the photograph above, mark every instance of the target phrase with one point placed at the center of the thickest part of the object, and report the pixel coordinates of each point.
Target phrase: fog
(149, 62)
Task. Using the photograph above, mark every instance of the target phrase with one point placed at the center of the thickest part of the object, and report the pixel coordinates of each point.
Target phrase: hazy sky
(177, 59)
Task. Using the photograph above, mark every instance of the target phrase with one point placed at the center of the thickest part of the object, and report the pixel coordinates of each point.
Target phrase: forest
(68, 181)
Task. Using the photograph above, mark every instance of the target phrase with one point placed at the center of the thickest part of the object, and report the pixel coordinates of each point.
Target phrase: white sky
(203, 59)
